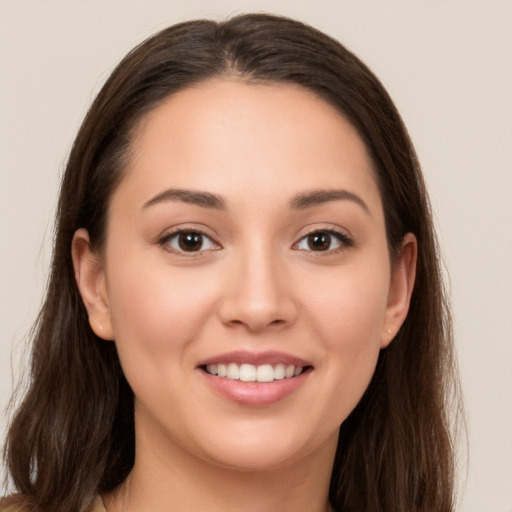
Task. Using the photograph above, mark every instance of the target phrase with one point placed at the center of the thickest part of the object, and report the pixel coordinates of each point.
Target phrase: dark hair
(73, 435)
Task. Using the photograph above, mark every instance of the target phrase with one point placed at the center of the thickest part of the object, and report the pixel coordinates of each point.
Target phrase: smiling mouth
(254, 373)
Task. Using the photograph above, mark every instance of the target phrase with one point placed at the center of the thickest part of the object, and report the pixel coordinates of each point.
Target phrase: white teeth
(233, 371)
(265, 373)
(279, 372)
(212, 368)
(251, 373)
(247, 373)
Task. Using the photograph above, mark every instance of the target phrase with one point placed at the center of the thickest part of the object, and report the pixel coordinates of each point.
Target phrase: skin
(257, 285)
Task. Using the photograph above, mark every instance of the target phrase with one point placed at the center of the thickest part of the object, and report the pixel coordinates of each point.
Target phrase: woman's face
(246, 241)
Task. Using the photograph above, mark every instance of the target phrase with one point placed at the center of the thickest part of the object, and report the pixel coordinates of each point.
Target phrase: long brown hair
(73, 435)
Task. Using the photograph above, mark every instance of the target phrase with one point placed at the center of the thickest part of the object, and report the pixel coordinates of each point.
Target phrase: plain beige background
(447, 64)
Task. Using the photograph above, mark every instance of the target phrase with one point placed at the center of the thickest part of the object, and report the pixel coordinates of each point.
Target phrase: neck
(174, 480)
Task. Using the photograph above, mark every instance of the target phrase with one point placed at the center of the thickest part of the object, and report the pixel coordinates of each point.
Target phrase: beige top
(98, 506)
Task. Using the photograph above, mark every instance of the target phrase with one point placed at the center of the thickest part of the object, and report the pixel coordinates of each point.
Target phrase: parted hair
(72, 435)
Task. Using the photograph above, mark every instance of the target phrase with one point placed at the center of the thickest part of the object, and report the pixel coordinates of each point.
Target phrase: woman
(245, 307)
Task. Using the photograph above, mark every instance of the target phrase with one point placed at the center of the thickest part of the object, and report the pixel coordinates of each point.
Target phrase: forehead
(228, 135)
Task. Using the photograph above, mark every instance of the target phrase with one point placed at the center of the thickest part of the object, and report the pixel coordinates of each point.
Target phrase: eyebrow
(203, 199)
(322, 196)
(299, 202)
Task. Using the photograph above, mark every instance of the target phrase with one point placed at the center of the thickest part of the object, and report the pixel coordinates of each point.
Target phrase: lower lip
(256, 393)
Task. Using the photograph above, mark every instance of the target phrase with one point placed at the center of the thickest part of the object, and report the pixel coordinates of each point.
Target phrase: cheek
(348, 309)
(347, 320)
(156, 312)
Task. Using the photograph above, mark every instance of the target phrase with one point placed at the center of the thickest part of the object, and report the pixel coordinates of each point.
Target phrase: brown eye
(190, 241)
(319, 241)
(322, 241)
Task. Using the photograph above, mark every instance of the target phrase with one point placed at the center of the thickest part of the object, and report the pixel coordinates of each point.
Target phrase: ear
(403, 274)
(90, 278)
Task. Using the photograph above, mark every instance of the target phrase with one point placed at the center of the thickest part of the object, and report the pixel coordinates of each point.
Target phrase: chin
(268, 449)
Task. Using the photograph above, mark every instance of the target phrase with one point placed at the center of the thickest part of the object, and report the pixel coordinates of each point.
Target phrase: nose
(258, 294)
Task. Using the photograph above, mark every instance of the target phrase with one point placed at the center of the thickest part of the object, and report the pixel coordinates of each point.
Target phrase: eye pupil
(190, 241)
(319, 241)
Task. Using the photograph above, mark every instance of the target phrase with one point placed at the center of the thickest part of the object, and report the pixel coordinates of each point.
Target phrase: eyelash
(344, 240)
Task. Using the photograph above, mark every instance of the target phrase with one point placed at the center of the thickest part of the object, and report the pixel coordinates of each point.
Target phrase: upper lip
(272, 357)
